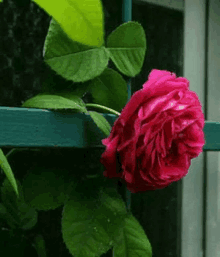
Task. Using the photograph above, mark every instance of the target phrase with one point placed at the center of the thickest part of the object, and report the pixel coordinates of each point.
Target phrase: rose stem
(104, 108)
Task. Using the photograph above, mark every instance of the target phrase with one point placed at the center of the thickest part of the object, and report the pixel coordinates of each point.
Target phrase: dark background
(23, 28)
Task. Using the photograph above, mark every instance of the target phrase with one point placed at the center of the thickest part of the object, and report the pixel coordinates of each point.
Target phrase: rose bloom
(157, 134)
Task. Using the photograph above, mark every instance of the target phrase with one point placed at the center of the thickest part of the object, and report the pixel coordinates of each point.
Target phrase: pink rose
(157, 134)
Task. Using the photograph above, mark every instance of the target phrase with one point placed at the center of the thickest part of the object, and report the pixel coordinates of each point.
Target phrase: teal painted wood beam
(127, 10)
(127, 16)
(30, 127)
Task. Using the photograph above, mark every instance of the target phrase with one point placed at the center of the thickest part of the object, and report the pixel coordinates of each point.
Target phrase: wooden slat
(212, 232)
(30, 127)
(192, 207)
(174, 4)
(212, 136)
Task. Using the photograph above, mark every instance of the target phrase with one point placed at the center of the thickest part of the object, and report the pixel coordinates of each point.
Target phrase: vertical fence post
(127, 16)
(212, 194)
(193, 184)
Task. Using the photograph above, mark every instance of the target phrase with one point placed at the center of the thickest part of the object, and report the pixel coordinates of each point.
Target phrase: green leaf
(19, 214)
(109, 89)
(66, 92)
(39, 244)
(54, 84)
(3, 210)
(92, 218)
(82, 21)
(127, 46)
(44, 188)
(101, 122)
(28, 217)
(132, 240)
(72, 60)
(55, 102)
(7, 170)
(71, 95)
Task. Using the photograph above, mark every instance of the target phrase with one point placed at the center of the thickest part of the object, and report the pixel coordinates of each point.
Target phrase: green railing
(29, 127)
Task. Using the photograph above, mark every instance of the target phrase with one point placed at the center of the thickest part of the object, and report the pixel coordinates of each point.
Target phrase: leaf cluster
(94, 217)
(86, 68)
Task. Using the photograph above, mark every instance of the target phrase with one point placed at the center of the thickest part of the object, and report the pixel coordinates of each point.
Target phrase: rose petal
(156, 74)
(108, 159)
(130, 108)
(157, 134)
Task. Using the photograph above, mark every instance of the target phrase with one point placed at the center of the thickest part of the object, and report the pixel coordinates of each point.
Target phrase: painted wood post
(127, 16)
(192, 211)
(212, 196)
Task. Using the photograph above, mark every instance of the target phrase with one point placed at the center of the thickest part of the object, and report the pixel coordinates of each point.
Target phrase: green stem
(10, 152)
(19, 149)
(103, 108)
